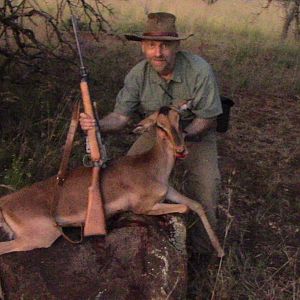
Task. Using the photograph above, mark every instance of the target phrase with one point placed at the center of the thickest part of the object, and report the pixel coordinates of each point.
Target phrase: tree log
(144, 258)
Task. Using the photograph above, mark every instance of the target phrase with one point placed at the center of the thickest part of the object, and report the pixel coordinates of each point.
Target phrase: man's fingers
(86, 122)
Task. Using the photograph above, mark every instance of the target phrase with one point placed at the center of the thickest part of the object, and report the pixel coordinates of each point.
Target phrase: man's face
(161, 55)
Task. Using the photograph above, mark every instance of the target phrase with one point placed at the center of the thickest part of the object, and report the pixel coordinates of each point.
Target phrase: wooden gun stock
(95, 218)
(88, 109)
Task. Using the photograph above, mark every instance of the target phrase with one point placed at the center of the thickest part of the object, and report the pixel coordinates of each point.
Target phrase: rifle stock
(95, 217)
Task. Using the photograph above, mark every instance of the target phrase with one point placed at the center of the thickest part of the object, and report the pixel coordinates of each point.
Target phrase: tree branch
(29, 32)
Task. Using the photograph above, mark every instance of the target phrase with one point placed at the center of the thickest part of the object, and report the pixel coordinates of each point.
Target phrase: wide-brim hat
(160, 26)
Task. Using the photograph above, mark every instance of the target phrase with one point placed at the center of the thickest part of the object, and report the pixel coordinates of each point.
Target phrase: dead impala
(136, 183)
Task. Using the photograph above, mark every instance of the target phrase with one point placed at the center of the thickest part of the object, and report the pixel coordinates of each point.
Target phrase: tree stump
(142, 258)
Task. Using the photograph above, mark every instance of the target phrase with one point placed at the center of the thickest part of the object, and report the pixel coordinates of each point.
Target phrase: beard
(161, 66)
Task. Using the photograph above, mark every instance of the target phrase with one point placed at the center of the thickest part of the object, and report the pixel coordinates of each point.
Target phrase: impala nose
(181, 152)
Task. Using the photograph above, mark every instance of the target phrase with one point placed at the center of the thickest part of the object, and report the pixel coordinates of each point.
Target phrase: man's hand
(86, 122)
(111, 122)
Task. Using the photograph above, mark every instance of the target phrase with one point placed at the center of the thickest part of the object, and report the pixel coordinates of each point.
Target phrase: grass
(259, 156)
(229, 14)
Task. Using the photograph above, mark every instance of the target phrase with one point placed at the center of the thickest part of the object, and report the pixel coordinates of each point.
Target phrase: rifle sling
(61, 175)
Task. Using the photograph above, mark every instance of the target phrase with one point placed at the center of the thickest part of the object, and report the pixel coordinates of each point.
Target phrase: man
(168, 75)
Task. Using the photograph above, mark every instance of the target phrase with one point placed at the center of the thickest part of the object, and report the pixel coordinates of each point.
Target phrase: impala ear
(185, 104)
(146, 124)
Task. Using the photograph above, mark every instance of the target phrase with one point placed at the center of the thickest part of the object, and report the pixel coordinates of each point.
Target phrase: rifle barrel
(82, 67)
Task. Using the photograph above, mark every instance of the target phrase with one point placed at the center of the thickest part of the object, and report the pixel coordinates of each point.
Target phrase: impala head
(166, 122)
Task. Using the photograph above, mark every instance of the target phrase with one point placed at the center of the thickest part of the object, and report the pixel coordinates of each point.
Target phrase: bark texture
(292, 14)
(144, 258)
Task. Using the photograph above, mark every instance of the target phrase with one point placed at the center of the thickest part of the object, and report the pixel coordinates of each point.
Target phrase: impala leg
(25, 245)
(175, 196)
(31, 240)
(12, 246)
(165, 208)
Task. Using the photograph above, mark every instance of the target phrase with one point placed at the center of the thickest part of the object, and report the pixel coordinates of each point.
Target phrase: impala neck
(162, 160)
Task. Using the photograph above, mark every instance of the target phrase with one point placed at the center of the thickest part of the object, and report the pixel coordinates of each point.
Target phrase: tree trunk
(291, 13)
(297, 23)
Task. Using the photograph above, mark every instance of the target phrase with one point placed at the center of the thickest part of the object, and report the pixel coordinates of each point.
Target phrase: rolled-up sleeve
(128, 98)
(206, 103)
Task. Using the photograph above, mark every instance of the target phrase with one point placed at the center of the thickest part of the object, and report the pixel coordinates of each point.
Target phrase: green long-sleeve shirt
(145, 91)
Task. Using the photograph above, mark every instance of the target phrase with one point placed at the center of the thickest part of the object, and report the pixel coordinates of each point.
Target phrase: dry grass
(263, 245)
(234, 15)
(228, 14)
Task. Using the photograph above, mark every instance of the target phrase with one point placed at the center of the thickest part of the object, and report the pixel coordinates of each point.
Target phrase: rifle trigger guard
(60, 181)
(87, 162)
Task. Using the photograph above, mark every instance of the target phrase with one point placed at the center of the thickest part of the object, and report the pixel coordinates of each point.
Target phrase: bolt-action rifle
(95, 218)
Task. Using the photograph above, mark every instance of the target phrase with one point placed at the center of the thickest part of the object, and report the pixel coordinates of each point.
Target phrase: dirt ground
(260, 164)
